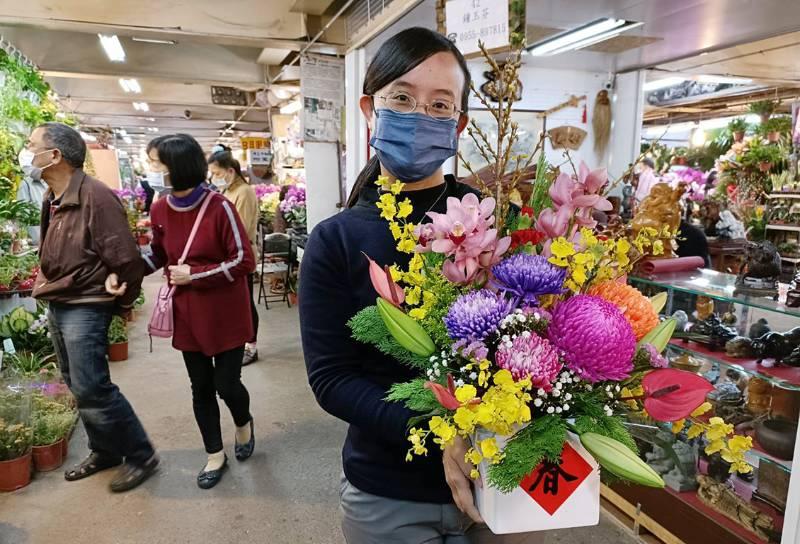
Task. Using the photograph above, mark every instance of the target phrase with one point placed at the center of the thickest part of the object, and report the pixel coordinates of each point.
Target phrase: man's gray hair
(67, 140)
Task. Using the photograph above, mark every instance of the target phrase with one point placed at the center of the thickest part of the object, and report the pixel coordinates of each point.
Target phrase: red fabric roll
(652, 267)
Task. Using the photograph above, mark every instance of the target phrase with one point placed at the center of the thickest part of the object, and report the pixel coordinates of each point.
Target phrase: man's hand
(180, 274)
(456, 472)
(113, 287)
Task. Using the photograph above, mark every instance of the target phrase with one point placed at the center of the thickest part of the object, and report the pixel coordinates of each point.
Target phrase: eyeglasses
(400, 102)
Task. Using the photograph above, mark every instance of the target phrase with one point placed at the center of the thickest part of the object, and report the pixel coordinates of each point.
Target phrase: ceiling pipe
(302, 52)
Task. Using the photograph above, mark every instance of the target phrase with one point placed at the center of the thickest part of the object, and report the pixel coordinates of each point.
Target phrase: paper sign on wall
(468, 21)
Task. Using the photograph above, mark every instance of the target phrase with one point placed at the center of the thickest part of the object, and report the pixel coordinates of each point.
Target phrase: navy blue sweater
(350, 380)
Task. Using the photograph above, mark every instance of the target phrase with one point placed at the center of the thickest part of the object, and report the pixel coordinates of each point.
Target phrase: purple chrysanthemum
(530, 356)
(656, 359)
(597, 341)
(475, 315)
(528, 276)
(471, 349)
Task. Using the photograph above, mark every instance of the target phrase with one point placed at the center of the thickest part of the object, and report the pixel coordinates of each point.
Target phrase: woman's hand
(180, 274)
(113, 287)
(456, 472)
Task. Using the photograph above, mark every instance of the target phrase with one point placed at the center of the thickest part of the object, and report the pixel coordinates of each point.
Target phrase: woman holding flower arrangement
(415, 101)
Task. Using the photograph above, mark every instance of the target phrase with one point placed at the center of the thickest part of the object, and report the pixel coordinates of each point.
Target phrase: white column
(356, 127)
(322, 181)
(627, 109)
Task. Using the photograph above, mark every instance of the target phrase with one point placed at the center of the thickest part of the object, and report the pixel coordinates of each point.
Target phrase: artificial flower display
(523, 337)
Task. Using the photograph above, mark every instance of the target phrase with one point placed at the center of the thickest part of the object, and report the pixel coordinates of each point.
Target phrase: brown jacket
(245, 201)
(85, 240)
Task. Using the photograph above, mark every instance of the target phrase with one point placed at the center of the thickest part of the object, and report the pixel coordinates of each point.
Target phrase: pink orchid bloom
(425, 234)
(383, 283)
(562, 190)
(463, 218)
(554, 223)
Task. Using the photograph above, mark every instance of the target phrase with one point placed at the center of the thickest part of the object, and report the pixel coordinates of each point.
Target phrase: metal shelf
(792, 228)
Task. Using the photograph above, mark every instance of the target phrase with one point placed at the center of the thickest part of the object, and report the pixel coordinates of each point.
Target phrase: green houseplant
(738, 128)
(776, 126)
(117, 340)
(51, 422)
(762, 156)
(764, 108)
(16, 436)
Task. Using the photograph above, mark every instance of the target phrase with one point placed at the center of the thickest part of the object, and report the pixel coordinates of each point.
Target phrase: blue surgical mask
(412, 146)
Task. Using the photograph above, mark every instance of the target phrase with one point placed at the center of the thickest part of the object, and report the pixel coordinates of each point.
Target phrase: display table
(726, 254)
(766, 391)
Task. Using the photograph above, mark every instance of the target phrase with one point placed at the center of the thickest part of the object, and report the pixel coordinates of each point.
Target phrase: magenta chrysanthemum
(595, 338)
(530, 356)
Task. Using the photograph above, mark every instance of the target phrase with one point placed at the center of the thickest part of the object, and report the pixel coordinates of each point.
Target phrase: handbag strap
(196, 226)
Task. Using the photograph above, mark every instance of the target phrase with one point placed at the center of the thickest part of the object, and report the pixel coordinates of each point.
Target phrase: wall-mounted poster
(528, 133)
(322, 87)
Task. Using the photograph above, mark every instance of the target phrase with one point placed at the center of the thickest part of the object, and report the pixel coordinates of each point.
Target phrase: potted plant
(764, 108)
(15, 438)
(137, 305)
(738, 128)
(762, 156)
(775, 126)
(292, 290)
(52, 422)
(117, 340)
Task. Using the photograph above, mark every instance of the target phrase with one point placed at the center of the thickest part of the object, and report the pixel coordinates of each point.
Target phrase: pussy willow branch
(483, 187)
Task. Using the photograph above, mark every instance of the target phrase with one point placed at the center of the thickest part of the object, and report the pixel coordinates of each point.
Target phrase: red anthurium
(382, 282)
(445, 396)
(672, 394)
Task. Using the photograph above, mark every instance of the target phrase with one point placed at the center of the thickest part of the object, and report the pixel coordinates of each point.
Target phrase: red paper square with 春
(550, 485)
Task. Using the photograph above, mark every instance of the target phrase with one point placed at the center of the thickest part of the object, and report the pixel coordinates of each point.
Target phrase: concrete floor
(287, 493)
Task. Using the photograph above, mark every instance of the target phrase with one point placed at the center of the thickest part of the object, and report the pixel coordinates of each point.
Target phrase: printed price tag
(8, 346)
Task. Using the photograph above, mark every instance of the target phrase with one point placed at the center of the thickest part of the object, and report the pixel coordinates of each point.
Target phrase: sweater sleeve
(331, 355)
(114, 243)
(239, 259)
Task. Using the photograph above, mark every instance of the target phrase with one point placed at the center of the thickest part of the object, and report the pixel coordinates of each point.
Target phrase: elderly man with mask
(85, 238)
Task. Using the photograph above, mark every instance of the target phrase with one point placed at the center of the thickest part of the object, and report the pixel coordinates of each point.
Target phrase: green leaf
(414, 394)
(368, 327)
(542, 440)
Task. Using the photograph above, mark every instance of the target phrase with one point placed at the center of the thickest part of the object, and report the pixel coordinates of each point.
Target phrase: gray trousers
(369, 519)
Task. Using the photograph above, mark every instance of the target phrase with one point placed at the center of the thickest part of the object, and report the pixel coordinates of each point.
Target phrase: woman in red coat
(211, 304)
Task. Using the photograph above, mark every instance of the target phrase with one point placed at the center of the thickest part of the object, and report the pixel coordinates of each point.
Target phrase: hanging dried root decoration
(601, 121)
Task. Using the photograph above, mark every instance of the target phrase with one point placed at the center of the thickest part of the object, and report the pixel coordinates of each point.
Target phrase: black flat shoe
(91, 465)
(243, 451)
(131, 476)
(209, 478)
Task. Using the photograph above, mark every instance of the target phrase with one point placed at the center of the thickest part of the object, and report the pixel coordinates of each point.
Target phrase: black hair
(67, 140)
(397, 56)
(153, 144)
(224, 159)
(184, 159)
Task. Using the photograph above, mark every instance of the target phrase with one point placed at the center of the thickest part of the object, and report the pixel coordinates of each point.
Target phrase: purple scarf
(189, 200)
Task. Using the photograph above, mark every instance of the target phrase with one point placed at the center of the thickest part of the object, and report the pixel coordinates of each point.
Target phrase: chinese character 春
(466, 17)
(550, 473)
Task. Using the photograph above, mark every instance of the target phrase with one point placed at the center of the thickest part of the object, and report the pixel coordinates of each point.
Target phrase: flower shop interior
(645, 152)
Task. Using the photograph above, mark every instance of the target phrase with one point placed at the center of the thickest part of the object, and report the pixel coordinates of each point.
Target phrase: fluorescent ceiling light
(141, 106)
(130, 85)
(724, 79)
(662, 83)
(565, 40)
(292, 107)
(112, 47)
(281, 93)
(595, 39)
(127, 140)
(154, 40)
(151, 119)
(122, 132)
(152, 129)
(698, 137)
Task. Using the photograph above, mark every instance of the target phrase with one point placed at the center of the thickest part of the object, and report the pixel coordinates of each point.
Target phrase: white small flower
(509, 344)
(559, 410)
(565, 375)
(568, 396)
(589, 387)
(433, 358)
(541, 392)
(559, 385)
(435, 365)
(526, 334)
(538, 402)
(550, 409)
(556, 392)
(444, 354)
(517, 311)
(522, 319)
(437, 372)
(608, 388)
(616, 388)
(506, 338)
(536, 315)
(503, 325)
(473, 376)
(566, 407)
(459, 383)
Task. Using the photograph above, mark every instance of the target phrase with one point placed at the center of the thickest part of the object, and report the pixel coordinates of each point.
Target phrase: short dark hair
(67, 140)
(184, 159)
(153, 144)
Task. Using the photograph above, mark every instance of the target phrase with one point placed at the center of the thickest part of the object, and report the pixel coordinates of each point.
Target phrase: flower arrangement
(534, 343)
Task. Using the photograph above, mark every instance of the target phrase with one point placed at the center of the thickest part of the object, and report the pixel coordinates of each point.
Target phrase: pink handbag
(162, 322)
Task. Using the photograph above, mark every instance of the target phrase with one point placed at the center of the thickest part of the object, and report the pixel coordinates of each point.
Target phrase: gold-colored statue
(723, 499)
(661, 208)
(704, 307)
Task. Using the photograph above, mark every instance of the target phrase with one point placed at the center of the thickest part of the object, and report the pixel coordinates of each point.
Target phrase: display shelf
(784, 376)
(793, 228)
(793, 260)
(784, 195)
(716, 285)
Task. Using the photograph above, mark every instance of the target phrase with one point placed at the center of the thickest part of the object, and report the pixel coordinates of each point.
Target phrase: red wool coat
(212, 313)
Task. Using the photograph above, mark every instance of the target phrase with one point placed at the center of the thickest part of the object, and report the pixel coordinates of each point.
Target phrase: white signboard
(468, 21)
(259, 157)
(322, 87)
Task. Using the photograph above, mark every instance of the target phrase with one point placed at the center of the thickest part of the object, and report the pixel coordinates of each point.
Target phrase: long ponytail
(368, 175)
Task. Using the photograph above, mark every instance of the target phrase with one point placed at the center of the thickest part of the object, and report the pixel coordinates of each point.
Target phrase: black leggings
(223, 376)
(251, 280)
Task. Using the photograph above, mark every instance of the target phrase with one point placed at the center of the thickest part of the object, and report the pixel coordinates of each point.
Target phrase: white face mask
(220, 183)
(155, 179)
(25, 159)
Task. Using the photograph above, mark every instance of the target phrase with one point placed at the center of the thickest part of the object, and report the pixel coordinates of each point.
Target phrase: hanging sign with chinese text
(468, 21)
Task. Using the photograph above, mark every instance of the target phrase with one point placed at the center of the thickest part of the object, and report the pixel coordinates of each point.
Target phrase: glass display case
(747, 347)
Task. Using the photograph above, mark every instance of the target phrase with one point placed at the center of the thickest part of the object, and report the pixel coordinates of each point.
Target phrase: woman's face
(436, 82)
(217, 172)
